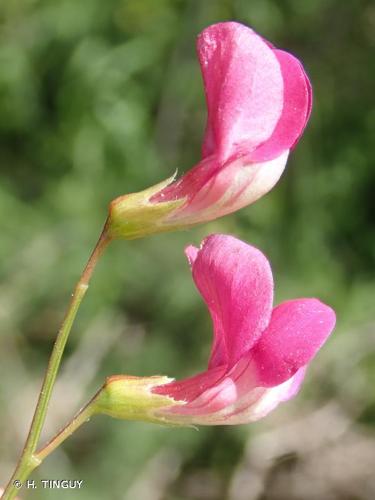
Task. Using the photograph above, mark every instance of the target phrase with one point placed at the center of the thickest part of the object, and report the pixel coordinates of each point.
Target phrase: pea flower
(258, 100)
(259, 354)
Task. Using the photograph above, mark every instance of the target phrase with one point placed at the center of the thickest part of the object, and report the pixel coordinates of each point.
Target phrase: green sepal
(131, 398)
(134, 216)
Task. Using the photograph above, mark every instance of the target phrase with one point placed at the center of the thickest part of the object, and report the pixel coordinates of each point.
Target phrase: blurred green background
(102, 98)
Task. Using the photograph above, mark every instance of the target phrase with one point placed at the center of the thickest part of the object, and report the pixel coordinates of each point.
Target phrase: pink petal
(232, 399)
(238, 391)
(223, 392)
(235, 280)
(296, 109)
(226, 190)
(295, 385)
(255, 405)
(189, 184)
(191, 388)
(243, 85)
(191, 253)
(297, 330)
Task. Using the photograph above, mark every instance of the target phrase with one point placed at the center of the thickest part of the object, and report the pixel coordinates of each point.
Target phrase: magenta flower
(259, 353)
(258, 100)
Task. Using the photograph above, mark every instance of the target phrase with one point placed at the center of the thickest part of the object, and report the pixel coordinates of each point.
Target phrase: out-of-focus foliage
(102, 98)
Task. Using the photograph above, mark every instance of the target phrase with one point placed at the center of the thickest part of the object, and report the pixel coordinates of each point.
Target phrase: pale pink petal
(212, 390)
(229, 401)
(255, 405)
(235, 280)
(191, 253)
(296, 109)
(243, 86)
(231, 387)
(226, 190)
(295, 385)
(297, 330)
(235, 392)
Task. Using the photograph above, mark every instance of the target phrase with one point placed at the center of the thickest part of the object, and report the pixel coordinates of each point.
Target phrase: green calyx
(131, 398)
(134, 216)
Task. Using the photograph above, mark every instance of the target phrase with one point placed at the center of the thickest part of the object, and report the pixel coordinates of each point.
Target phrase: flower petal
(235, 280)
(191, 388)
(297, 330)
(224, 190)
(232, 399)
(243, 85)
(296, 109)
(269, 373)
(253, 367)
(191, 253)
(255, 405)
(222, 392)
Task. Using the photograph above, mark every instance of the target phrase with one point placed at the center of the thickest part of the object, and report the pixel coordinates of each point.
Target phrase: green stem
(80, 418)
(28, 461)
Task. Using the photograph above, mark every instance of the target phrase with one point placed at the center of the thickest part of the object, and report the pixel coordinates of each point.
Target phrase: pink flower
(258, 100)
(259, 354)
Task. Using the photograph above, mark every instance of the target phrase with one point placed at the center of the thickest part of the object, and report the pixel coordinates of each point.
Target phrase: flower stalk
(79, 419)
(28, 460)
(122, 397)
